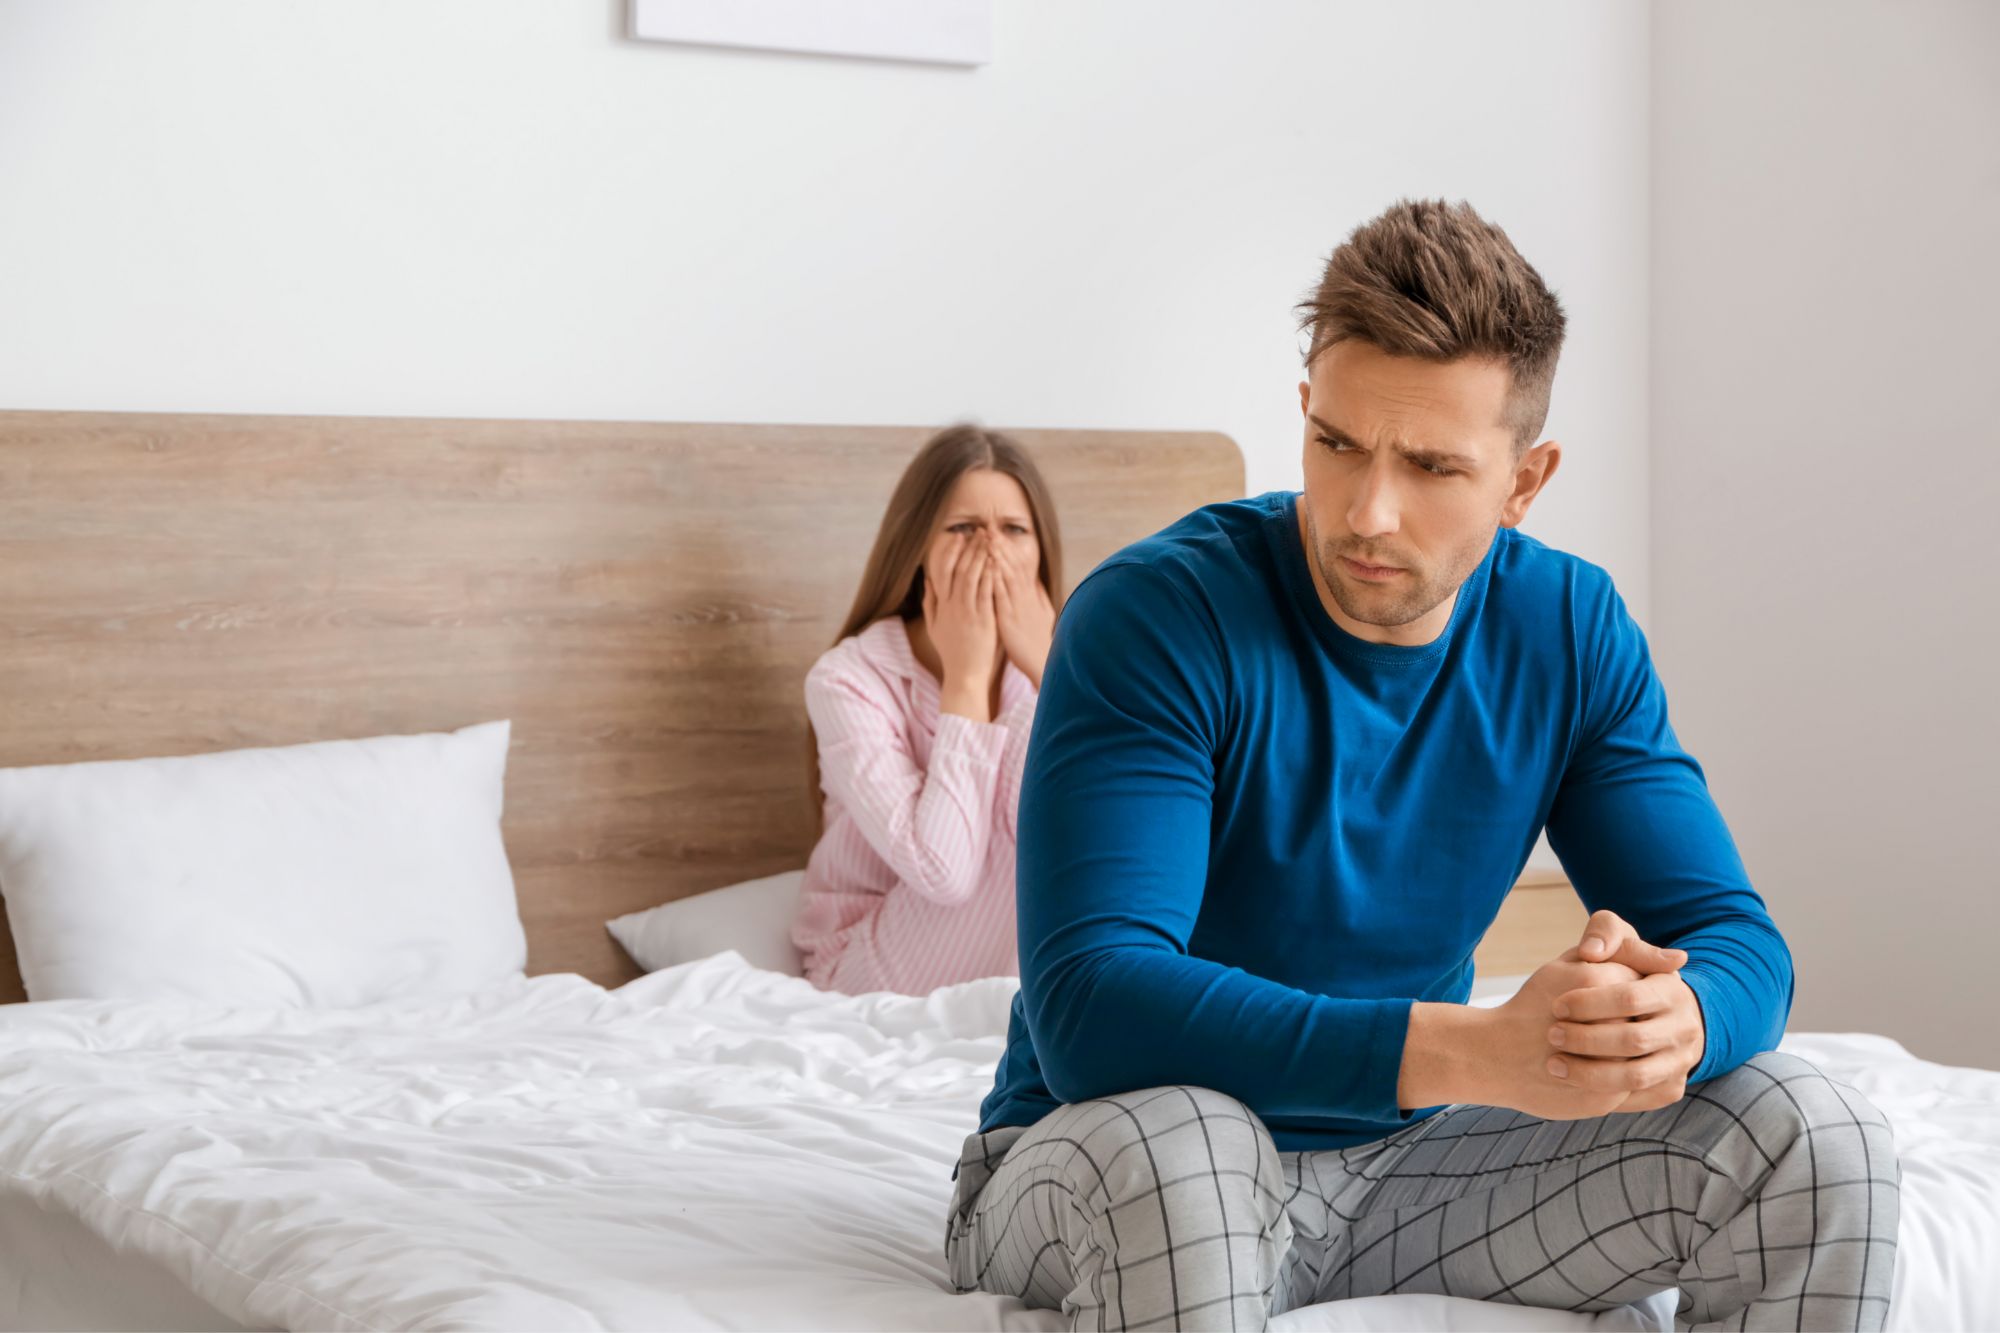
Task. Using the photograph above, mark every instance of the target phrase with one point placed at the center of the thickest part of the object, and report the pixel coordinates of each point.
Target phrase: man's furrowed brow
(1437, 457)
(1332, 432)
(1427, 457)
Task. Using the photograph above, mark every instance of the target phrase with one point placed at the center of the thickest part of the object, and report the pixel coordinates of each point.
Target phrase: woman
(920, 715)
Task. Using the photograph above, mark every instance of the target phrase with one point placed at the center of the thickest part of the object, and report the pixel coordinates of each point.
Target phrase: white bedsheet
(708, 1147)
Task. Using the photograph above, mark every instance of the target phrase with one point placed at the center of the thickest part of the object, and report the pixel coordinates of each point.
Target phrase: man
(1290, 755)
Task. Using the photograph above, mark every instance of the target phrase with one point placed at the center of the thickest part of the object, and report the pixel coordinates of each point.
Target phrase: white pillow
(332, 874)
(754, 918)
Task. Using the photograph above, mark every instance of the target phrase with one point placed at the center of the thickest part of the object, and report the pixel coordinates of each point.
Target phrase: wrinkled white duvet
(709, 1147)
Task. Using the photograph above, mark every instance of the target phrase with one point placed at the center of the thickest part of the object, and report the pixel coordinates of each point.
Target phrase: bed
(714, 1145)
(709, 1147)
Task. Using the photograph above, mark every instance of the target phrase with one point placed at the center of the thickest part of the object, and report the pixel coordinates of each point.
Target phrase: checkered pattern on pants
(1768, 1196)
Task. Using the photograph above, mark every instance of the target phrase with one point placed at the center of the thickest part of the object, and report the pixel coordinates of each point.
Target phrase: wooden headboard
(643, 600)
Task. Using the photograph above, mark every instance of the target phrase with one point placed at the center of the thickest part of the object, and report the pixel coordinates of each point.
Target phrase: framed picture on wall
(948, 32)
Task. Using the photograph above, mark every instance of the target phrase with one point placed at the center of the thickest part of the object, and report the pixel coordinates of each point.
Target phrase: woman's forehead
(983, 493)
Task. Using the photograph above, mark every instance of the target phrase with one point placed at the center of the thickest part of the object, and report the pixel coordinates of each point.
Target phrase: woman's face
(984, 501)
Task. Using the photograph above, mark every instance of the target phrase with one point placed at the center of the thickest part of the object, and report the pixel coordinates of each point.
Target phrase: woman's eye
(1017, 529)
(959, 527)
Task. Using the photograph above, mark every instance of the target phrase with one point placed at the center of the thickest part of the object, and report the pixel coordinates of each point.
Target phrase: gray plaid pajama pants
(1768, 1196)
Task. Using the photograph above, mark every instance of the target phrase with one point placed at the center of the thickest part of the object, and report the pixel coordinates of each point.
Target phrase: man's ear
(1305, 396)
(1532, 473)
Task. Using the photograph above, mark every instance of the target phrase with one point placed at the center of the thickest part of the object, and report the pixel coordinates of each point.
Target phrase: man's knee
(1187, 1153)
(1163, 1206)
(1785, 1125)
(1191, 1228)
(1801, 1173)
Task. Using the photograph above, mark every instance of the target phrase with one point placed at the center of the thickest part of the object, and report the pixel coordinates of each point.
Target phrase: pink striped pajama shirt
(912, 884)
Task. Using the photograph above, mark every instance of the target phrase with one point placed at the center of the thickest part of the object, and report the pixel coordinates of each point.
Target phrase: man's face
(1409, 470)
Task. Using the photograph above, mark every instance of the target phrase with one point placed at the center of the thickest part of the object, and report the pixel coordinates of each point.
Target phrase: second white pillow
(754, 919)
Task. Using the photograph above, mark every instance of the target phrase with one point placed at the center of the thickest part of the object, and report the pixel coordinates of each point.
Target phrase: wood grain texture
(643, 600)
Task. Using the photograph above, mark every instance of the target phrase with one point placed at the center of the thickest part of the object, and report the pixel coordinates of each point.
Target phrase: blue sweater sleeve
(1112, 869)
(1638, 833)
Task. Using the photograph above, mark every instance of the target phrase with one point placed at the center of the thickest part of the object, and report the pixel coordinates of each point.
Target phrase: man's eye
(1437, 471)
(1338, 446)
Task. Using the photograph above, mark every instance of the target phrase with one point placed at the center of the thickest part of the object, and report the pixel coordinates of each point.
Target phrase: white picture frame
(948, 32)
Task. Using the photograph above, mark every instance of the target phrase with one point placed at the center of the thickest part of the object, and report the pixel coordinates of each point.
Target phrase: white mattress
(711, 1147)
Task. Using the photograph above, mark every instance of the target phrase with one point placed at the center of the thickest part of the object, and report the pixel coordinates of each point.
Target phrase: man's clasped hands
(1608, 1026)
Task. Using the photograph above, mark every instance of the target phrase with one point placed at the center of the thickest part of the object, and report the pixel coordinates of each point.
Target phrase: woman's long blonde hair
(893, 581)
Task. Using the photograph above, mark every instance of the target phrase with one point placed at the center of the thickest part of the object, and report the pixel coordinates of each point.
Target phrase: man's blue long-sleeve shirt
(1250, 840)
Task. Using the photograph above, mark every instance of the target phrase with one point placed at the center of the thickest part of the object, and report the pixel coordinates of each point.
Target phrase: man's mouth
(1369, 573)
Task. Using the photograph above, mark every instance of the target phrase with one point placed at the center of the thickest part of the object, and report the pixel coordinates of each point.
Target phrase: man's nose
(1376, 510)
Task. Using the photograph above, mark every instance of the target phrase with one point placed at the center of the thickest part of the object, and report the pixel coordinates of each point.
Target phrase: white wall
(506, 208)
(1826, 482)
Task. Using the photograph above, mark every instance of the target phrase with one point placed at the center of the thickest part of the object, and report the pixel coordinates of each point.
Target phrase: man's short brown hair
(1436, 281)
